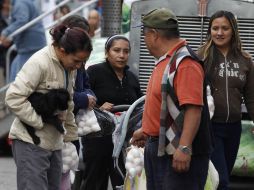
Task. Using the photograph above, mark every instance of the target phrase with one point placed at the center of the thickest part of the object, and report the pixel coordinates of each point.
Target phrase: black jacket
(108, 88)
(3, 49)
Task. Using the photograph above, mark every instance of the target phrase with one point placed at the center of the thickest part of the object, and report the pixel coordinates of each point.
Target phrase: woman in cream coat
(40, 167)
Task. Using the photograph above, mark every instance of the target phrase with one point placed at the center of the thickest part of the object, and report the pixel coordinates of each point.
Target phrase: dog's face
(58, 99)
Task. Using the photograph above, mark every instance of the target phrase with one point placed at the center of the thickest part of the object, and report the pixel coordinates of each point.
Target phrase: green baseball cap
(160, 18)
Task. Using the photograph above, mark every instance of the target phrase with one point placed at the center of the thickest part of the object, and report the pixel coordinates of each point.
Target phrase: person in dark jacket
(113, 84)
(230, 71)
(28, 41)
(4, 13)
(83, 97)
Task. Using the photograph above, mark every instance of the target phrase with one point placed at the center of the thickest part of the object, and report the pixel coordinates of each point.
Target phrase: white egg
(65, 161)
(128, 165)
(139, 169)
(85, 118)
(135, 152)
(137, 161)
(95, 127)
(64, 151)
(86, 130)
(68, 159)
(74, 154)
(92, 121)
(65, 168)
(81, 124)
(89, 122)
(80, 131)
(129, 157)
(68, 151)
(72, 146)
(89, 112)
(73, 164)
(132, 172)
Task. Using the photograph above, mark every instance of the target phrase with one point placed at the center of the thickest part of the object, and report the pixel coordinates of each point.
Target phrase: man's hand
(138, 138)
(192, 117)
(181, 161)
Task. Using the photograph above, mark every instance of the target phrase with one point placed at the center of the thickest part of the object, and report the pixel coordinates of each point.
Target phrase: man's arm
(191, 123)
(192, 117)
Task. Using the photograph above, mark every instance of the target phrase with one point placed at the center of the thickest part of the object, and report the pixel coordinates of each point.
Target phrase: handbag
(106, 123)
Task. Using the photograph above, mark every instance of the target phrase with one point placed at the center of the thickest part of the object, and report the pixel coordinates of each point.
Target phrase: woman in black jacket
(113, 84)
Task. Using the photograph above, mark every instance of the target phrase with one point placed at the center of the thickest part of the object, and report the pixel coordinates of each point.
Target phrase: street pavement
(7, 174)
(8, 177)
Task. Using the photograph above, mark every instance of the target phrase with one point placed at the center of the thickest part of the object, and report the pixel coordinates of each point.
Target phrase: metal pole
(202, 12)
(21, 29)
(4, 88)
(8, 61)
(112, 17)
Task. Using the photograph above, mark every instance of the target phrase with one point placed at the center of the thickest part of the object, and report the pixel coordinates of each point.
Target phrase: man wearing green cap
(175, 119)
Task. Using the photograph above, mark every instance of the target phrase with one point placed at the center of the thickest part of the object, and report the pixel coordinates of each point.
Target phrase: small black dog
(46, 105)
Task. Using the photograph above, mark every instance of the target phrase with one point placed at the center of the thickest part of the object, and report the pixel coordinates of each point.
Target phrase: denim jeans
(161, 176)
(226, 144)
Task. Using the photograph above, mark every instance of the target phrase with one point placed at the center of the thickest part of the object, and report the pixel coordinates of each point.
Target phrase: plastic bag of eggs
(70, 157)
(87, 122)
(134, 161)
(210, 101)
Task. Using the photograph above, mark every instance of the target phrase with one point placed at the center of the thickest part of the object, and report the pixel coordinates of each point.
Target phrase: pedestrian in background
(28, 41)
(230, 71)
(94, 23)
(4, 13)
(83, 97)
(63, 10)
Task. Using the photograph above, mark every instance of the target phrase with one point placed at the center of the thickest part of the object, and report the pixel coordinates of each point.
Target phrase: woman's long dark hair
(207, 50)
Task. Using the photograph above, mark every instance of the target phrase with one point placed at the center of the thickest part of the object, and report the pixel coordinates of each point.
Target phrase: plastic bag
(106, 123)
(210, 101)
(136, 183)
(70, 157)
(134, 161)
(212, 180)
(87, 122)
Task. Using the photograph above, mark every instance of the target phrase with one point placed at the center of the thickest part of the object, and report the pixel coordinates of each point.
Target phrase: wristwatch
(185, 149)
